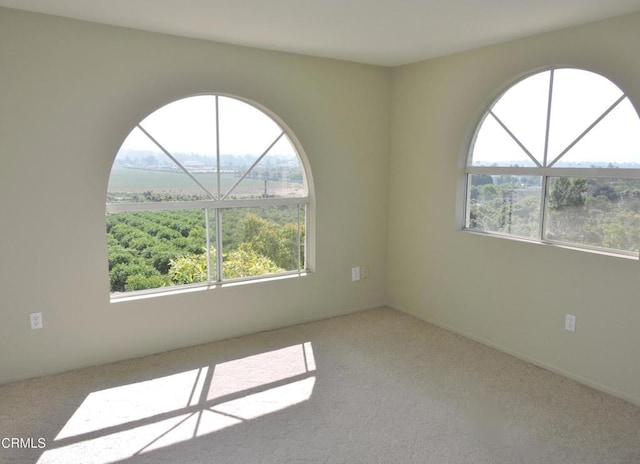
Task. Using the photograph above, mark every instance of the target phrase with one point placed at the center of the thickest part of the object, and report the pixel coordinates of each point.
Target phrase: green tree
(567, 192)
(190, 269)
(125, 276)
(481, 179)
(568, 218)
(142, 282)
(278, 243)
(247, 262)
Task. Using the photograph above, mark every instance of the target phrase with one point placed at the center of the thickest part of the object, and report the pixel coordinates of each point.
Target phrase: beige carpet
(374, 387)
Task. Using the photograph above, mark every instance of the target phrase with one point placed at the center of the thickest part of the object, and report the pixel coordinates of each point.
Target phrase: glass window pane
(613, 142)
(594, 212)
(154, 249)
(523, 109)
(245, 131)
(187, 130)
(196, 149)
(579, 98)
(262, 240)
(278, 174)
(495, 147)
(505, 204)
(141, 172)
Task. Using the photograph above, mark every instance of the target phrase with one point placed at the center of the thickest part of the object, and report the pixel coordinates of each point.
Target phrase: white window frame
(544, 171)
(220, 202)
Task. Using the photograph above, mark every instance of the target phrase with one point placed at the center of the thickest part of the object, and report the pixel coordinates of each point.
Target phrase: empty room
(332, 232)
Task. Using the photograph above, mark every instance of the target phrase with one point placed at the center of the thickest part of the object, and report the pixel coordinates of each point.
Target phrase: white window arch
(556, 158)
(204, 190)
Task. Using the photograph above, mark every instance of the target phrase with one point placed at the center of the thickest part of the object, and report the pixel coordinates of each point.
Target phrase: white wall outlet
(570, 322)
(36, 320)
(364, 272)
(355, 274)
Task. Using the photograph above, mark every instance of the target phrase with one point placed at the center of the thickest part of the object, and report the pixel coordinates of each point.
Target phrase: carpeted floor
(374, 387)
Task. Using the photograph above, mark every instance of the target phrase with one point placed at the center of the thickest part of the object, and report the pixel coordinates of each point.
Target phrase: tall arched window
(205, 190)
(557, 159)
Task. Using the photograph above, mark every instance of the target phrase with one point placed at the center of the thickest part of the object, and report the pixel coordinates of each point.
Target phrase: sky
(189, 126)
(578, 99)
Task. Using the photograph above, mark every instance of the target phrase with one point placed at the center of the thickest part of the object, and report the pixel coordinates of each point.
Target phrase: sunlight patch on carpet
(124, 421)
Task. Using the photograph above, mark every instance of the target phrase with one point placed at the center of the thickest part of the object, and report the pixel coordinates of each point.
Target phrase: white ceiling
(383, 32)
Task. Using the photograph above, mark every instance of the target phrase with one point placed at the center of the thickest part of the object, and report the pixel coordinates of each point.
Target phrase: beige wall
(70, 92)
(509, 294)
(385, 148)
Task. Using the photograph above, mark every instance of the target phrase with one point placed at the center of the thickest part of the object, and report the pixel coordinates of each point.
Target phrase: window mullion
(299, 238)
(305, 255)
(596, 173)
(217, 151)
(219, 245)
(543, 200)
(208, 251)
(546, 134)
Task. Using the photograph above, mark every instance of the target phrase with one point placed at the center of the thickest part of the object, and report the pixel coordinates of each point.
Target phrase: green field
(152, 249)
(131, 181)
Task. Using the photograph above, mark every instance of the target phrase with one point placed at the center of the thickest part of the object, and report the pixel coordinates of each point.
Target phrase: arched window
(557, 159)
(205, 190)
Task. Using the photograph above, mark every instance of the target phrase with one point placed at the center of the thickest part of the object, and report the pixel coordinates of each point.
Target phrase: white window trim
(545, 172)
(306, 206)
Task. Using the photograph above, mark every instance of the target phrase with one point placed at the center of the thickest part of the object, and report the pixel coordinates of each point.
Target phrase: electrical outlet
(570, 322)
(355, 274)
(364, 272)
(36, 320)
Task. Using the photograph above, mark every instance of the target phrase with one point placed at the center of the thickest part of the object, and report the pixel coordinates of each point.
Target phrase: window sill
(181, 289)
(567, 246)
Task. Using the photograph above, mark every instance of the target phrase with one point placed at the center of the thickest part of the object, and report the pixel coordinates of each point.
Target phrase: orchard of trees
(153, 249)
(595, 212)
